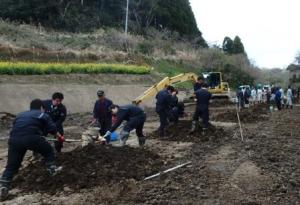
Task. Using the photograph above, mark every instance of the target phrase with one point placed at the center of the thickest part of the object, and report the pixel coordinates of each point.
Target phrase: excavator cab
(216, 86)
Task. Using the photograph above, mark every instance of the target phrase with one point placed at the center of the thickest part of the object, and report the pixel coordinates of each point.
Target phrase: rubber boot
(123, 138)
(204, 130)
(142, 141)
(193, 128)
(4, 189)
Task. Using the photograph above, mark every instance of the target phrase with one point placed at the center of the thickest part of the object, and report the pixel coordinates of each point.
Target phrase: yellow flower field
(28, 68)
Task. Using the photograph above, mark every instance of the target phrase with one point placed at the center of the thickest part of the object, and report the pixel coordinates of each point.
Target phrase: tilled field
(248, 115)
(88, 167)
(263, 169)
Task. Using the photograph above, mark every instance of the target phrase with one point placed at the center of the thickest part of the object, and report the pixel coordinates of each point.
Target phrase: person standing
(199, 83)
(240, 98)
(278, 98)
(259, 95)
(58, 113)
(202, 108)
(163, 107)
(135, 118)
(26, 134)
(102, 113)
(289, 98)
(253, 95)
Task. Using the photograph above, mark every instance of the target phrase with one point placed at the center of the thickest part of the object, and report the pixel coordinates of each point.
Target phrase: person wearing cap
(58, 113)
(135, 118)
(203, 97)
(163, 107)
(102, 113)
(26, 134)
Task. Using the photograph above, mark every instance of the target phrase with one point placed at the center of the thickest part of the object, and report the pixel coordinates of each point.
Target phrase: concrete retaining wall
(15, 98)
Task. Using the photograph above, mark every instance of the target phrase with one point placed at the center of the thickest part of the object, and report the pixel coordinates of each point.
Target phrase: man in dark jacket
(203, 97)
(177, 108)
(163, 107)
(135, 118)
(102, 113)
(26, 134)
(58, 113)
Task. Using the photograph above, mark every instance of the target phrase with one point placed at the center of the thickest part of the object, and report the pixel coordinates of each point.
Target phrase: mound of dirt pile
(250, 115)
(181, 132)
(88, 167)
(6, 120)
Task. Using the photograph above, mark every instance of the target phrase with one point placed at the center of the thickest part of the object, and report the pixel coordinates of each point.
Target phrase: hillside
(86, 16)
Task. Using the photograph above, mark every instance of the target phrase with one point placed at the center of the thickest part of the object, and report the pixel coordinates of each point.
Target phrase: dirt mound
(6, 120)
(89, 167)
(250, 115)
(181, 132)
(221, 103)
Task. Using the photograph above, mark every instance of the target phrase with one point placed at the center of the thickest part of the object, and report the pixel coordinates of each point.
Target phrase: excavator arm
(153, 90)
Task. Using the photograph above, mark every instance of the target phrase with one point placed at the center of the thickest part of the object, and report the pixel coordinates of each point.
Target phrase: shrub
(146, 48)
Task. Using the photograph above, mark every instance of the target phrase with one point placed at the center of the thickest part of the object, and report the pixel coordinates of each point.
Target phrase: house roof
(293, 67)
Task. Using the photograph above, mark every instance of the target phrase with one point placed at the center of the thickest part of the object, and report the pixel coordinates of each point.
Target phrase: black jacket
(126, 113)
(32, 123)
(197, 86)
(203, 97)
(57, 113)
(163, 101)
(102, 116)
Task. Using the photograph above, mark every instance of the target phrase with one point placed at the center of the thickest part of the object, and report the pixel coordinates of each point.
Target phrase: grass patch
(25, 68)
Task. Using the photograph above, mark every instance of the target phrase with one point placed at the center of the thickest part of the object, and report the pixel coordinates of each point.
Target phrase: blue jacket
(203, 97)
(102, 116)
(126, 113)
(32, 123)
(57, 113)
(163, 101)
(278, 95)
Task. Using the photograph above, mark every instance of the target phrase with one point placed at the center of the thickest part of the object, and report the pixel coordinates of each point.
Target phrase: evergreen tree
(238, 46)
(227, 45)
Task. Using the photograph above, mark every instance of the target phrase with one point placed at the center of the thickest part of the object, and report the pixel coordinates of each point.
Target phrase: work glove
(61, 139)
(107, 134)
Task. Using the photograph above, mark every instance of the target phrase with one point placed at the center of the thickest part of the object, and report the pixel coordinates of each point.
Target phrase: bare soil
(263, 169)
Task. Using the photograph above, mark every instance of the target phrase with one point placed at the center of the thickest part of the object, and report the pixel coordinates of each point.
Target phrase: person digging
(203, 97)
(26, 134)
(135, 118)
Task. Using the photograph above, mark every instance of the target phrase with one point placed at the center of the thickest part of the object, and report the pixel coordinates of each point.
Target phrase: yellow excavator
(217, 87)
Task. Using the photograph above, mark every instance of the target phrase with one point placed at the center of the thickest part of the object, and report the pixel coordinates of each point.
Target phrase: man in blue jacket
(278, 98)
(135, 118)
(58, 113)
(26, 134)
(203, 97)
(163, 107)
(102, 113)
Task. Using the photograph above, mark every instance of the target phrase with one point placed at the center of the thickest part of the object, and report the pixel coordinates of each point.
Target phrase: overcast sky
(269, 29)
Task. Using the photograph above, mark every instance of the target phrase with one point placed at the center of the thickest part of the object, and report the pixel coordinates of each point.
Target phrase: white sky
(269, 29)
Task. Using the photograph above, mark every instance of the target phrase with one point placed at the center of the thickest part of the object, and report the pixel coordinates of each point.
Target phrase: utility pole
(126, 22)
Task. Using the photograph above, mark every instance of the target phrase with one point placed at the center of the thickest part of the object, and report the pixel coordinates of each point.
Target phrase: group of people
(47, 117)
(271, 96)
(169, 110)
(44, 117)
